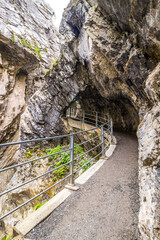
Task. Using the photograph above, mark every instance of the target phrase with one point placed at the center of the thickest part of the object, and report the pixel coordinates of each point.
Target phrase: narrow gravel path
(105, 208)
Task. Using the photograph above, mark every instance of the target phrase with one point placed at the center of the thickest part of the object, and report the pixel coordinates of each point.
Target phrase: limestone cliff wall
(109, 61)
(28, 45)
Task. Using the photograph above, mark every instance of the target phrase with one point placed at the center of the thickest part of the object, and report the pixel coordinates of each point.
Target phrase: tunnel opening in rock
(125, 116)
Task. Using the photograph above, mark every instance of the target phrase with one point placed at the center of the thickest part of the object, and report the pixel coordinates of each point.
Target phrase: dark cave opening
(74, 28)
(125, 116)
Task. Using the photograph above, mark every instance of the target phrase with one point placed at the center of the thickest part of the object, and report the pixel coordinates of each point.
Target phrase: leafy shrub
(78, 149)
(60, 172)
(55, 179)
(65, 157)
(52, 151)
(87, 166)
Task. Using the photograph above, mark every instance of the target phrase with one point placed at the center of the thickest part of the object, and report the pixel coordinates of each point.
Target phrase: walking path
(105, 207)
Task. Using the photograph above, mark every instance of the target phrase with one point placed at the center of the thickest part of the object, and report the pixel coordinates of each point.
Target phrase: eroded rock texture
(108, 62)
(29, 43)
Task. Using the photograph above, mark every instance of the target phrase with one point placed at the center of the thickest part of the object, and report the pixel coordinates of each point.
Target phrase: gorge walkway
(105, 207)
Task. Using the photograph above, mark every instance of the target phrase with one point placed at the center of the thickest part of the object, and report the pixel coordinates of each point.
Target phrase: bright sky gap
(58, 7)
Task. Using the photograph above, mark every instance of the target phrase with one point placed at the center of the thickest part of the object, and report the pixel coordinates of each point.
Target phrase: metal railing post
(96, 119)
(102, 139)
(111, 129)
(69, 111)
(108, 123)
(83, 116)
(71, 159)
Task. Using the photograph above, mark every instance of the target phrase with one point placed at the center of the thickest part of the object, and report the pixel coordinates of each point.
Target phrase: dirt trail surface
(104, 208)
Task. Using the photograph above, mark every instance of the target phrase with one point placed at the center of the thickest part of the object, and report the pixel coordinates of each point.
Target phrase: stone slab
(72, 187)
(89, 173)
(110, 151)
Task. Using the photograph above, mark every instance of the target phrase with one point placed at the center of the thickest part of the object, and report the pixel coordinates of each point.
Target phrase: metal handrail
(31, 199)
(31, 180)
(85, 110)
(87, 151)
(72, 159)
(47, 138)
(86, 141)
(33, 160)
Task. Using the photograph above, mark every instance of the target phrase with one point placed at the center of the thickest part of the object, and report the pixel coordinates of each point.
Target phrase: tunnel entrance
(125, 116)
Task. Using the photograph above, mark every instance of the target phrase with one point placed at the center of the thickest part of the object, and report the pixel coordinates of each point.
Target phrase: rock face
(28, 45)
(139, 17)
(108, 62)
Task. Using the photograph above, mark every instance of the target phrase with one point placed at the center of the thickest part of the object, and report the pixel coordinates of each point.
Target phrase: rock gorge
(106, 57)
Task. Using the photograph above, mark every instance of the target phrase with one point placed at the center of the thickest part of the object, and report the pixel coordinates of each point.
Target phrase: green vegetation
(46, 72)
(23, 41)
(29, 46)
(45, 49)
(77, 149)
(73, 5)
(53, 64)
(37, 50)
(39, 205)
(52, 151)
(28, 154)
(58, 160)
(65, 157)
(55, 179)
(87, 166)
(7, 238)
(12, 38)
(95, 7)
(60, 172)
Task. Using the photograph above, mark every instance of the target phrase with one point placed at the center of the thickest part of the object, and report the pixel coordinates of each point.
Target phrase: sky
(58, 7)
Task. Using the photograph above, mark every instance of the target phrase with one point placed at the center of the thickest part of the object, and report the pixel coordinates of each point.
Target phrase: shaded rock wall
(139, 17)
